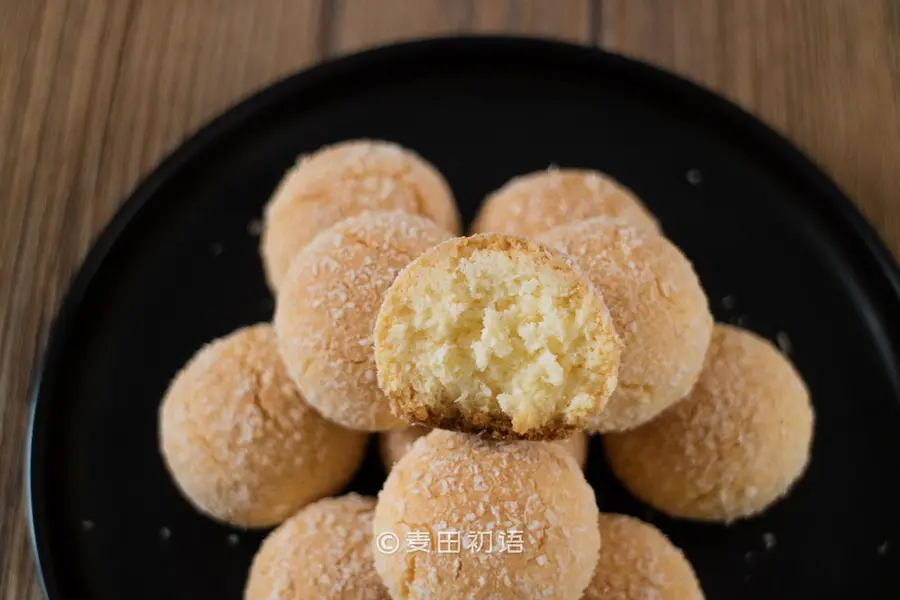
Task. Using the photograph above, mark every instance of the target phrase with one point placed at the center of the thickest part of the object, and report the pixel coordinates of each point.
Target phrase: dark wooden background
(93, 93)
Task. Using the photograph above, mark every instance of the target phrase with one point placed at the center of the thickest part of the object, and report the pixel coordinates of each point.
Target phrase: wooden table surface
(93, 93)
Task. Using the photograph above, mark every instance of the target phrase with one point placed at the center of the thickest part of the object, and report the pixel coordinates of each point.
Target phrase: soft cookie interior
(503, 332)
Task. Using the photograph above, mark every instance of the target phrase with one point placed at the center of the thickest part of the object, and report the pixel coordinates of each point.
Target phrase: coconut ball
(577, 445)
(326, 310)
(531, 204)
(637, 561)
(239, 440)
(496, 334)
(392, 445)
(395, 443)
(343, 180)
(730, 449)
(658, 307)
(322, 552)
(522, 513)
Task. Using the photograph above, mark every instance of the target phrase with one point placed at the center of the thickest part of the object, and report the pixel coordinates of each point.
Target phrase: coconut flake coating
(324, 552)
(326, 310)
(532, 204)
(638, 562)
(393, 444)
(341, 181)
(239, 440)
(730, 449)
(659, 309)
(461, 484)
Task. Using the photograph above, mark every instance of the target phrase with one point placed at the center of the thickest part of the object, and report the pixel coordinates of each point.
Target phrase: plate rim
(830, 196)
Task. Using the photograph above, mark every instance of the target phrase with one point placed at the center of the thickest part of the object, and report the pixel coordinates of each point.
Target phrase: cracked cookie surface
(239, 439)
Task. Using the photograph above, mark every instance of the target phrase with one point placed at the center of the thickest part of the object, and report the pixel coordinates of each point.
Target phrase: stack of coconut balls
(566, 313)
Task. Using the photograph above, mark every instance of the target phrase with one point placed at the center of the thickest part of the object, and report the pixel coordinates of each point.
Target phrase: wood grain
(825, 74)
(93, 93)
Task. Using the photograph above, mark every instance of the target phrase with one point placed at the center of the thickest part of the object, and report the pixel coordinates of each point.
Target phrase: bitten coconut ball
(637, 561)
(326, 310)
(730, 449)
(343, 180)
(394, 444)
(522, 513)
(535, 203)
(239, 440)
(323, 552)
(496, 334)
(658, 307)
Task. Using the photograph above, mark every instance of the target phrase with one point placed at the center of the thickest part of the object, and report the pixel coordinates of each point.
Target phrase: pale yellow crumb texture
(496, 331)
(327, 306)
(658, 306)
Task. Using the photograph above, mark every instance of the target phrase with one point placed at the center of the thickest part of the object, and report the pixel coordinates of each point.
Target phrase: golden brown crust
(240, 441)
(326, 310)
(405, 402)
(340, 181)
(731, 448)
(460, 247)
(394, 444)
(487, 425)
(531, 204)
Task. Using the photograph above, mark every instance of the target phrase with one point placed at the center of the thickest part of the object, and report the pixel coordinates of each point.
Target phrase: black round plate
(777, 246)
